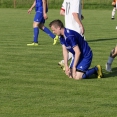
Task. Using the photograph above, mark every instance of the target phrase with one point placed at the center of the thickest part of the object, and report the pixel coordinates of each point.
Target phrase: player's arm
(65, 56)
(31, 8)
(75, 6)
(62, 11)
(77, 55)
(44, 9)
(76, 17)
(76, 59)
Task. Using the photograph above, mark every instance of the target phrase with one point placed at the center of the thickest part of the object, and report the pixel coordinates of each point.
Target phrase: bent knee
(77, 78)
(35, 24)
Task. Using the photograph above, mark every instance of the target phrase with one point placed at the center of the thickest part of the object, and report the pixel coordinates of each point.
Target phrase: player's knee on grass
(78, 75)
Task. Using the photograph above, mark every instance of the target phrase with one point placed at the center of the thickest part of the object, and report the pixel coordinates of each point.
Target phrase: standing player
(39, 20)
(113, 54)
(114, 4)
(82, 54)
(72, 12)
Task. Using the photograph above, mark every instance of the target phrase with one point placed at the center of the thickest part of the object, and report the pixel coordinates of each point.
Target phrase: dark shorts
(39, 17)
(84, 63)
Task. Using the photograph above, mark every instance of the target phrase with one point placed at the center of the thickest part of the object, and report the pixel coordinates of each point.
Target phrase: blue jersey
(71, 39)
(39, 6)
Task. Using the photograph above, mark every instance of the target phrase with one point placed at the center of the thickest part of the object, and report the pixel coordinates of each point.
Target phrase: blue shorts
(84, 63)
(39, 17)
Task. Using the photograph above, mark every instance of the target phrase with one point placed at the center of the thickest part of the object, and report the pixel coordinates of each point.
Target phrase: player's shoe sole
(99, 71)
(112, 18)
(64, 69)
(61, 64)
(32, 44)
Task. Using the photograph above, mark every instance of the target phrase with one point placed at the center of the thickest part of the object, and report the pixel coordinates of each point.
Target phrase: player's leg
(113, 13)
(95, 70)
(36, 22)
(36, 33)
(86, 74)
(48, 32)
(113, 54)
(83, 70)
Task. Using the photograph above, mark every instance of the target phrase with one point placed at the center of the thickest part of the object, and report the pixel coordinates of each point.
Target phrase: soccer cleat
(61, 64)
(32, 44)
(116, 27)
(55, 40)
(108, 67)
(99, 71)
(112, 18)
(64, 69)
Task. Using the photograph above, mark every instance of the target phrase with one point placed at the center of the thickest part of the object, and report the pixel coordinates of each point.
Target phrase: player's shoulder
(69, 33)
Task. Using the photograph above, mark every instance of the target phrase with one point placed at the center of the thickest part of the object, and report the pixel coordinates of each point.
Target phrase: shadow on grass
(111, 74)
(106, 74)
(110, 39)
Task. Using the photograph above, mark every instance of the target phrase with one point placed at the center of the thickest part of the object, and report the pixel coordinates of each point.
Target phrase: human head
(56, 26)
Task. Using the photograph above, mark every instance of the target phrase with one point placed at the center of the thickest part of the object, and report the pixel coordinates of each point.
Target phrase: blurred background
(86, 4)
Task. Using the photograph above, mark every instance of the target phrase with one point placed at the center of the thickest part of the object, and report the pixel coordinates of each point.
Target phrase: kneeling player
(82, 54)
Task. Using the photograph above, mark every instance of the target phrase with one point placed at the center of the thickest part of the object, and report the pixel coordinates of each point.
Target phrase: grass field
(87, 4)
(33, 85)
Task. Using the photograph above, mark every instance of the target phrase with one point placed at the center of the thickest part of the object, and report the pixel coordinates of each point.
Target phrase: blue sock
(36, 33)
(47, 31)
(90, 72)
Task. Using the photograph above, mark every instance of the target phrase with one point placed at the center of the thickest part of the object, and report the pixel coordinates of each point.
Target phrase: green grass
(32, 84)
(87, 4)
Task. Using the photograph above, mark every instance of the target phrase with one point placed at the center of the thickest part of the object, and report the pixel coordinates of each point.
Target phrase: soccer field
(33, 85)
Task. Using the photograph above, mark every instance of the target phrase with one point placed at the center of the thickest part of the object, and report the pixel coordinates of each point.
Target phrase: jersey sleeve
(63, 6)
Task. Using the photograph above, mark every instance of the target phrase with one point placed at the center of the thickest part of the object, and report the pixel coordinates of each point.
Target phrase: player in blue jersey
(39, 20)
(82, 54)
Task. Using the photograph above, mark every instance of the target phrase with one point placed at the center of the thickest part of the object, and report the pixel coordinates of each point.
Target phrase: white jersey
(116, 4)
(72, 6)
